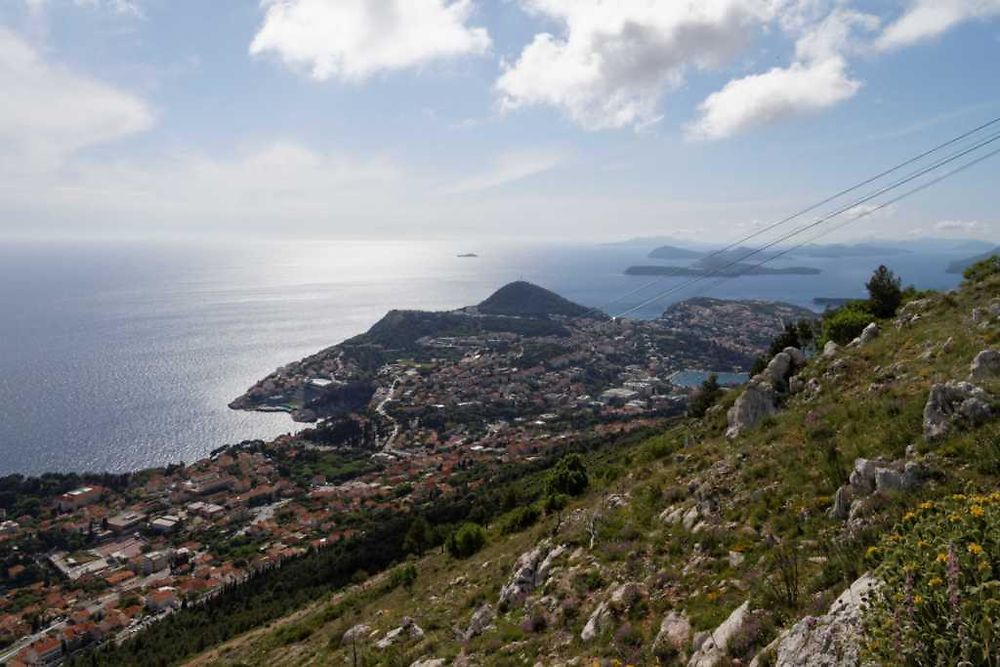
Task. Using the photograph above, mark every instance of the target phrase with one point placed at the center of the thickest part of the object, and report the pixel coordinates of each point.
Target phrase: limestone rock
(407, 630)
(830, 349)
(626, 595)
(713, 650)
(830, 640)
(952, 403)
(429, 662)
(355, 633)
(841, 503)
(672, 640)
(986, 365)
(796, 355)
(481, 620)
(755, 403)
(529, 572)
(600, 621)
(777, 369)
(868, 334)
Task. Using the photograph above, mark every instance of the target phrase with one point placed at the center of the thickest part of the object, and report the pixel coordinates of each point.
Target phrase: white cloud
(122, 7)
(614, 59)
(509, 168)
(352, 40)
(816, 80)
(774, 95)
(962, 226)
(927, 19)
(50, 112)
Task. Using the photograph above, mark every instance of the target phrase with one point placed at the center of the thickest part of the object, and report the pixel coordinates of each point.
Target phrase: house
(161, 599)
(154, 561)
(45, 651)
(126, 521)
(165, 524)
(77, 498)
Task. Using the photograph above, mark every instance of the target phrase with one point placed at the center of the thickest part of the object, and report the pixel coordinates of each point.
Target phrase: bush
(519, 519)
(467, 540)
(404, 575)
(940, 599)
(569, 476)
(885, 292)
(845, 324)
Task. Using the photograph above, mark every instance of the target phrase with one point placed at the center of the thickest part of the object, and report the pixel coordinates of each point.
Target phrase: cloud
(927, 19)
(509, 168)
(613, 61)
(962, 226)
(121, 7)
(816, 80)
(352, 40)
(50, 112)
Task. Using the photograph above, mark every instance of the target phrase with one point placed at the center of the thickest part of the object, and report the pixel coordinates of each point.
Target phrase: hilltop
(525, 299)
(842, 507)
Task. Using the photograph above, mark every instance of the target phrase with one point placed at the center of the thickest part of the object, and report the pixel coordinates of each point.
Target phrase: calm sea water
(116, 356)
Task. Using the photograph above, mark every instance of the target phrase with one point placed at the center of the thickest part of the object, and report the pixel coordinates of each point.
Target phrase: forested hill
(525, 299)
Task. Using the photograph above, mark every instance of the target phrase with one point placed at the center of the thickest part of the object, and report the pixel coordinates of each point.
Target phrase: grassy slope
(772, 486)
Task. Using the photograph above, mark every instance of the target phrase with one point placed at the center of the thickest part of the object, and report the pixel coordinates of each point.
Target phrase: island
(467, 255)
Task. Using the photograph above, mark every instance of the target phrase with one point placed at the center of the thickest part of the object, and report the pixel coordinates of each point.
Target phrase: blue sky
(579, 119)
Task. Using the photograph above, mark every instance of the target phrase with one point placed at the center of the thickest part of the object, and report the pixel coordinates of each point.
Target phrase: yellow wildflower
(958, 496)
(942, 558)
(935, 581)
(918, 599)
(922, 544)
(977, 510)
(927, 505)
(974, 549)
(909, 516)
(871, 552)
(954, 518)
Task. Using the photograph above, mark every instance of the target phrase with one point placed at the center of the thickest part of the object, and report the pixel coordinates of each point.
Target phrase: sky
(493, 119)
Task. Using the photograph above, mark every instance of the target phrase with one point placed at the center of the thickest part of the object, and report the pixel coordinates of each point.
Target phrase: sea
(120, 356)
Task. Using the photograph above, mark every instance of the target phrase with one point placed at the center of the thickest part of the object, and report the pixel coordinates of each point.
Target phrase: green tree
(885, 292)
(569, 476)
(467, 540)
(705, 397)
(418, 537)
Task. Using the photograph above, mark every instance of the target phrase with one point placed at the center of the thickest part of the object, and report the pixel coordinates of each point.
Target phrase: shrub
(845, 324)
(885, 292)
(940, 599)
(519, 519)
(467, 540)
(569, 476)
(404, 575)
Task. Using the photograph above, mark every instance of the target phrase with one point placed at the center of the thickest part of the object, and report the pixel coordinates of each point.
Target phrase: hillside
(840, 508)
(524, 299)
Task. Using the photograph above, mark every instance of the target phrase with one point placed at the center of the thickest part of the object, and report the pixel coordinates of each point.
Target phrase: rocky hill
(841, 509)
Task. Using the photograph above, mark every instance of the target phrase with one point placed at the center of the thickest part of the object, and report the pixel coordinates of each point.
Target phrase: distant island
(674, 252)
(468, 254)
(738, 269)
(727, 263)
